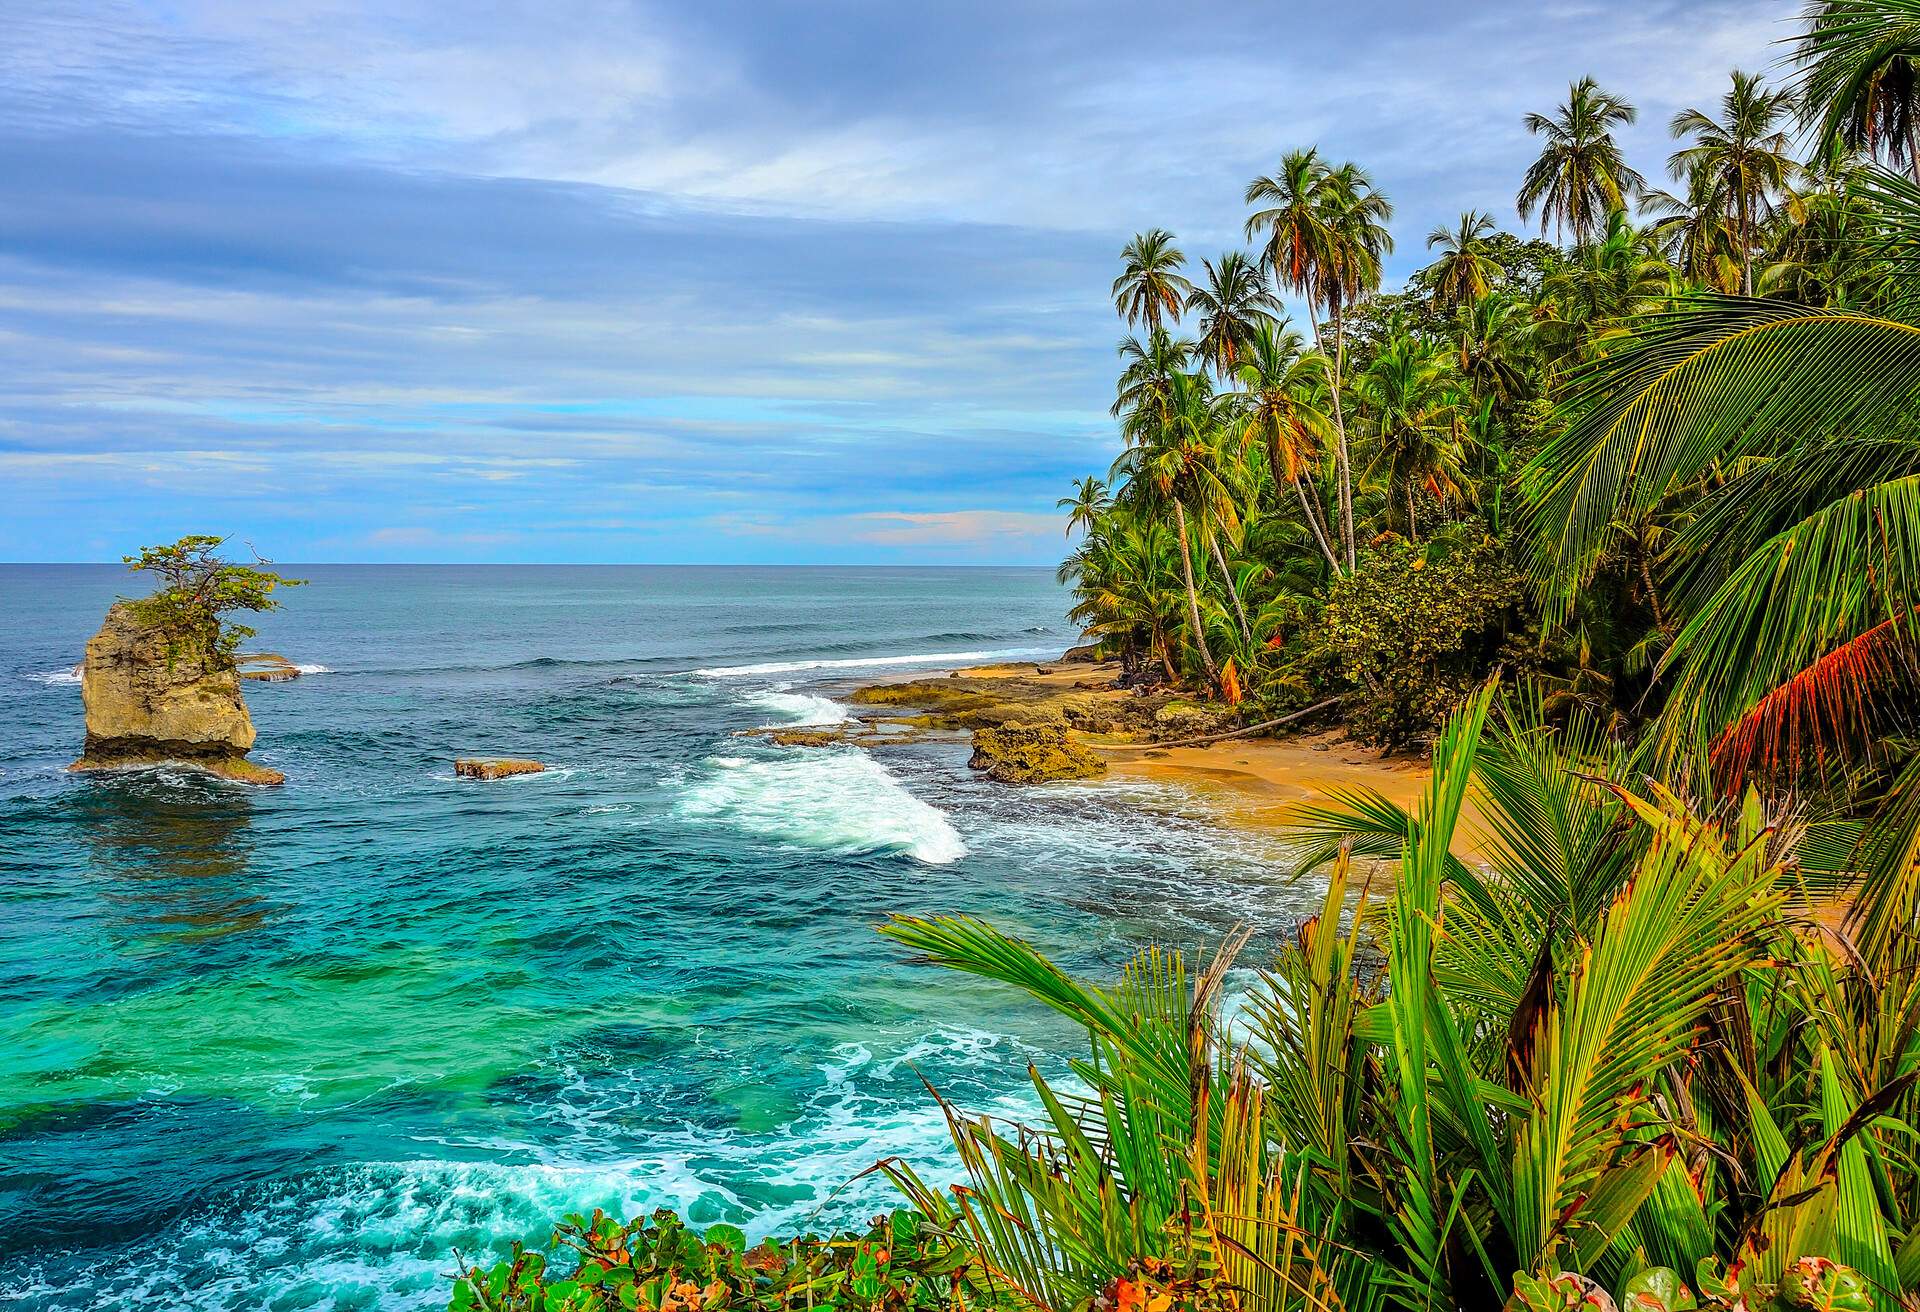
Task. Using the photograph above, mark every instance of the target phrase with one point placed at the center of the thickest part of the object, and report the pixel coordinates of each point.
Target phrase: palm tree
(1596, 297)
(1494, 336)
(1293, 222)
(1581, 175)
(1088, 503)
(1234, 300)
(1150, 285)
(1743, 157)
(1326, 237)
(1410, 401)
(1168, 455)
(1693, 232)
(1146, 378)
(1464, 271)
(1286, 412)
(1860, 78)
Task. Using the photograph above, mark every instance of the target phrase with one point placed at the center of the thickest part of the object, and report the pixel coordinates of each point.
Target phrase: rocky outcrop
(468, 767)
(1032, 754)
(150, 705)
(266, 667)
(1086, 655)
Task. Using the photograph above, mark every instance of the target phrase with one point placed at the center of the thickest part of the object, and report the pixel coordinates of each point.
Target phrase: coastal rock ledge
(1032, 754)
(149, 706)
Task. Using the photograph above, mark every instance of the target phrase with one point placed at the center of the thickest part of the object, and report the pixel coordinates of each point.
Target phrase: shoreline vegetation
(1620, 524)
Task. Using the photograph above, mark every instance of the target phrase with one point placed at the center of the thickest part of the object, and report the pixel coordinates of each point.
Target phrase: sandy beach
(1252, 782)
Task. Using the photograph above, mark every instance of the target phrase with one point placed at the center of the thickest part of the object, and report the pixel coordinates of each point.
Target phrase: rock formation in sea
(1032, 754)
(149, 703)
(474, 767)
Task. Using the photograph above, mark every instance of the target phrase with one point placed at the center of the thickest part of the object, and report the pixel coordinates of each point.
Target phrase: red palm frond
(1827, 709)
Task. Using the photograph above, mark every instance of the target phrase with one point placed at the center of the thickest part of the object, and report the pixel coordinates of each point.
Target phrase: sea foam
(832, 799)
(798, 707)
(66, 676)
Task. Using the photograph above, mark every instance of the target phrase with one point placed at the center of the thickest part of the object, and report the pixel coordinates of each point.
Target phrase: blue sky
(603, 280)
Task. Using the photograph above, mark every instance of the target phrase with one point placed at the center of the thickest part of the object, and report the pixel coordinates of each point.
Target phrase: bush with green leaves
(1415, 629)
(903, 1262)
(198, 587)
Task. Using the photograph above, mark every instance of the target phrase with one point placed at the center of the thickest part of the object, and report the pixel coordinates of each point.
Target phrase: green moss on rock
(1032, 754)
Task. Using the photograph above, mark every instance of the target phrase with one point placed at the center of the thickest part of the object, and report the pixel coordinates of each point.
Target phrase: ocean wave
(798, 707)
(869, 662)
(831, 799)
(67, 676)
(313, 669)
(383, 1234)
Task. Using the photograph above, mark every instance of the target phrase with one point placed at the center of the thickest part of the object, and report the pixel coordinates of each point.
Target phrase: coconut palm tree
(1150, 286)
(1859, 81)
(1168, 457)
(1090, 500)
(1494, 337)
(1581, 175)
(1146, 377)
(1358, 243)
(1291, 224)
(1465, 270)
(1742, 155)
(1286, 412)
(1409, 397)
(1230, 305)
(1693, 232)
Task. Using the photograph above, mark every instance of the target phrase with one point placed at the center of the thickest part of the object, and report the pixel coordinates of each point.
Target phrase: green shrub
(1414, 630)
(903, 1263)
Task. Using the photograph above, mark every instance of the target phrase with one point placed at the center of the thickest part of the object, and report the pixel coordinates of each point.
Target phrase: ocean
(294, 1047)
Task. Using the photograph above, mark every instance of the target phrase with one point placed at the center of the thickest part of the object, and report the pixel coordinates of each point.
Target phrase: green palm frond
(1721, 379)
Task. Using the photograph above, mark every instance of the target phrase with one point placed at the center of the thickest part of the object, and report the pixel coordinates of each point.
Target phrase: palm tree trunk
(1413, 534)
(1913, 147)
(1240, 612)
(1313, 522)
(1746, 248)
(1343, 469)
(1653, 594)
(1306, 505)
(1193, 597)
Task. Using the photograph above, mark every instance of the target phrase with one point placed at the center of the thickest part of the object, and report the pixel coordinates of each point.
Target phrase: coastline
(1250, 783)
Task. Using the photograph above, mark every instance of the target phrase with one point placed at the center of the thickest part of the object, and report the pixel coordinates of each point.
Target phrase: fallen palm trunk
(1251, 729)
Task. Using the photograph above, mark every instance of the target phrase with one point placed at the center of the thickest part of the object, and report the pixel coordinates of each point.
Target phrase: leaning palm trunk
(1343, 469)
(1313, 522)
(1306, 503)
(1239, 611)
(1193, 597)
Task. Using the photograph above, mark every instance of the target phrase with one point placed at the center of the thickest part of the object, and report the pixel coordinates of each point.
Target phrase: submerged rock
(469, 767)
(150, 703)
(1032, 754)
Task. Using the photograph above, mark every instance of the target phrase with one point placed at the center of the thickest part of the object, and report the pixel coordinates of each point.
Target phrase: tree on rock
(197, 587)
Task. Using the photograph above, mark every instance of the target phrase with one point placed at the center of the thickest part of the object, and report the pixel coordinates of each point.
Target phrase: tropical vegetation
(1624, 527)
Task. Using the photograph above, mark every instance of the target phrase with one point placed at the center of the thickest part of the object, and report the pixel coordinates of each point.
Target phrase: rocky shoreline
(1076, 720)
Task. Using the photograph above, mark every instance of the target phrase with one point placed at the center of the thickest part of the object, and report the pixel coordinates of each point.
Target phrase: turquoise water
(291, 1048)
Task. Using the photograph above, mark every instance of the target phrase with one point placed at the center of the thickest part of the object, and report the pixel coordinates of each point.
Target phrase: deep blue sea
(290, 1048)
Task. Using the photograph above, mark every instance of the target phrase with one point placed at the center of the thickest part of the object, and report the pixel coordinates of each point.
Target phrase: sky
(616, 281)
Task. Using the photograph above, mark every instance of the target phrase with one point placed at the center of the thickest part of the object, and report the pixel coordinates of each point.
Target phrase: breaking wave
(830, 799)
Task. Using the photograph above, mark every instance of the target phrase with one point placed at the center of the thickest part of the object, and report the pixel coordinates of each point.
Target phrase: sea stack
(149, 705)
